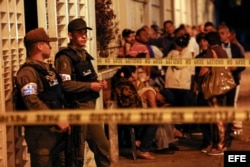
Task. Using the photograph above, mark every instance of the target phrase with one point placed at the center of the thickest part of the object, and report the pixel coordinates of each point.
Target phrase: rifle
(73, 148)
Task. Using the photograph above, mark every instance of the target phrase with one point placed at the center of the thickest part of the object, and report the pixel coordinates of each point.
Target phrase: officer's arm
(64, 69)
(28, 80)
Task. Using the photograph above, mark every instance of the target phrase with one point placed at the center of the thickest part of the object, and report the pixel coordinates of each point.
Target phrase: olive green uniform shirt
(28, 76)
(64, 67)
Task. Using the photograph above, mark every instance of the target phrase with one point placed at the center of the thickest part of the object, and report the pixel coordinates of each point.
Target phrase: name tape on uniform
(127, 116)
(174, 62)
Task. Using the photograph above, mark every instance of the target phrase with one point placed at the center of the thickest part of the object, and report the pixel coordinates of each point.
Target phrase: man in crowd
(233, 51)
(129, 39)
(166, 42)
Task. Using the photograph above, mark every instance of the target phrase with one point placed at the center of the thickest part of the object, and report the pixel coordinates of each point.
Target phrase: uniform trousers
(46, 147)
(95, 136)
(47, 160)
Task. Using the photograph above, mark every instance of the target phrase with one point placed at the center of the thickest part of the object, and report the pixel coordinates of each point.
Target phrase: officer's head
(37, 40)
(77, 31)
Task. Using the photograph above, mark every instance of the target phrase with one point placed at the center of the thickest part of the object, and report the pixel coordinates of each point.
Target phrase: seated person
(134, 85)
(152, 98)
(126, 96)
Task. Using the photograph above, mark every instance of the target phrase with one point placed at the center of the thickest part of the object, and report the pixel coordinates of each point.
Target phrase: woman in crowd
(217, 145)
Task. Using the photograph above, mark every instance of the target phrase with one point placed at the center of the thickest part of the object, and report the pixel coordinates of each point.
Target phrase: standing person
(82, 88)
(192, 44)
(156, 31)
(40, 88)
(233, 39)
(178, 79)
(206, 128)
(166, 41)
(218, 144)
(209, 27)
(233, 51)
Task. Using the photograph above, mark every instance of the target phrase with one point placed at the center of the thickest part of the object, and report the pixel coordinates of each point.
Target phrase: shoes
(206, 149)
(178, 134)
(164, 151)
(210, 150)
(215, 151)
(144, 155)
(137, 143)
(173, 147)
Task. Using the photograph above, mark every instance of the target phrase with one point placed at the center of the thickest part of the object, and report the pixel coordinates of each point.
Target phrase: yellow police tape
(174, 62)
(128, 116)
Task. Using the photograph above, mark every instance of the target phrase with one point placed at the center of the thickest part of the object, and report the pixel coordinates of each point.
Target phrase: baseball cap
(37, 35)
(126, 32)
(77, 24)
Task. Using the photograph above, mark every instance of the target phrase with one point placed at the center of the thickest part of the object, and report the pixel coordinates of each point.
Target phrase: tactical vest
(82, 71)
(52, 96)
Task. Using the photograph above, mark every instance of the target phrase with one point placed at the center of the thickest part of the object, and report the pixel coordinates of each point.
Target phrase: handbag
(217, 82)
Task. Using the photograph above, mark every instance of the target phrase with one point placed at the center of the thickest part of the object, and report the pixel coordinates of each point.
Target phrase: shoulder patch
(29, 89)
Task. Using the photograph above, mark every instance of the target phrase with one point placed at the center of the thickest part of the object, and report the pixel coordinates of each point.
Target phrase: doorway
(30, 14)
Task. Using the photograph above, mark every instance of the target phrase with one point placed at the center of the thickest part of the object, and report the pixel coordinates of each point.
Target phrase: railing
(111, 52)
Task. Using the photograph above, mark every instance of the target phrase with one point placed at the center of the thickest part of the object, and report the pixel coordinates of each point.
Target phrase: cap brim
(85, 28)
(52, 39)
(89, 28)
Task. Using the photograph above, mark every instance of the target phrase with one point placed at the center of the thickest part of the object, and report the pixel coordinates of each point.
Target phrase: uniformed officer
(81, 86)
(40, 89)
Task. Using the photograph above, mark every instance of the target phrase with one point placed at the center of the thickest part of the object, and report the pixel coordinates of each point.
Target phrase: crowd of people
(176, 86)
(73, 84)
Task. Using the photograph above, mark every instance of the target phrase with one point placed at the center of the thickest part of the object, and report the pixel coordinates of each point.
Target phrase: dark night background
(236, 16)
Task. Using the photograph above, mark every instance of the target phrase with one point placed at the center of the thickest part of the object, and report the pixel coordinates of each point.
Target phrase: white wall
(136, 13)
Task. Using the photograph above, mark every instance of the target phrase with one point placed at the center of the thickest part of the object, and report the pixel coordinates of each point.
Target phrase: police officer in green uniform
(81, 87)
(40, 88)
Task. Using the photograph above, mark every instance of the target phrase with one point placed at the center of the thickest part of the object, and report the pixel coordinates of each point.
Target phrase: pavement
(189, 154)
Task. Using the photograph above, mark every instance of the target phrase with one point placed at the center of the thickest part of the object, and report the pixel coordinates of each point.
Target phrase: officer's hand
(64, 127)
(104, 83)
(96, 86)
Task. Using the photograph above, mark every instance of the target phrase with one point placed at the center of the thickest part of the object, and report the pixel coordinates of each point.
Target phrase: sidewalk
(188, 156)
